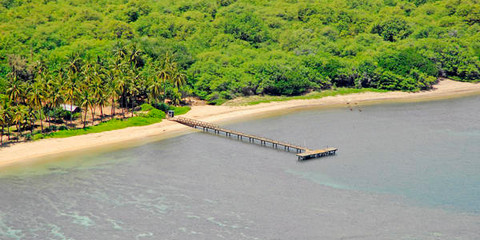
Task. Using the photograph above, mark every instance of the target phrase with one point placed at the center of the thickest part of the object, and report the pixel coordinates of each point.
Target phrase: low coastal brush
(314, 95)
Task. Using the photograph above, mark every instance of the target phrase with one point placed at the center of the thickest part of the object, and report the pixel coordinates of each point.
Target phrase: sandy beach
(42, 150)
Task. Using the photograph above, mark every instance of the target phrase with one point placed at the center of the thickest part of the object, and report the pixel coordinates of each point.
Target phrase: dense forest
(232, 48)
(222, 49)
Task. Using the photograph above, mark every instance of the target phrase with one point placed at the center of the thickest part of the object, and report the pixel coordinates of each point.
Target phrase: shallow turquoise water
(403, 171)
(427, 152)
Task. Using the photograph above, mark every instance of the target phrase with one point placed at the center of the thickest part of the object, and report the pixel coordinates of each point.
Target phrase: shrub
(393, 29)
(155, 113)
(406, 61)
(146, 107)
(181, 110)
(161, 106)
(246, 26)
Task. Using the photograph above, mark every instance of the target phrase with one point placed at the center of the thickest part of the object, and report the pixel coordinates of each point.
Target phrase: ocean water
(403, 171)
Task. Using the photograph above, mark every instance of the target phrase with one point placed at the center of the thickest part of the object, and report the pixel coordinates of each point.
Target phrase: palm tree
(49, 92)
(31, 116)
(19, 114)
(165, 73)
(113, 87)
(133, 87)
(86, 93)
(2, 122)
(119, 83)
(170, 72)
(122, 90)
(5, 104)
(71, 91)
(97, 86)
(85, 101)
(8, 120)
(35, 99)
(102, 100)
(177, 78)
(156, 82)
(72, 86)
(53, 92)
(155, 88)
(112, 92)
(16, 90)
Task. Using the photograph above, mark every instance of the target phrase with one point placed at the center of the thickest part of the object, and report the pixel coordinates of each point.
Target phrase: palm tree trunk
(41, 123)
(131, 103)
(71, 111)
(113, 108)
(1, 136)
(8, 133)
(101, 113)
(93, 115)
(85, 117)
(164, 92)
(19, 132)
(124, 104)
(49, 120)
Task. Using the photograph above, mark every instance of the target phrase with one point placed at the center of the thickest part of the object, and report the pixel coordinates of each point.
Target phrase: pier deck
(303, 153)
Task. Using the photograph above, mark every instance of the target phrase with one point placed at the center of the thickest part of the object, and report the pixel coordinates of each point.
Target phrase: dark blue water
(403, 171)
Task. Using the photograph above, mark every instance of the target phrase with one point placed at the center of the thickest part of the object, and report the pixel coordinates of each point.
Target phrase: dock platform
(303, 153)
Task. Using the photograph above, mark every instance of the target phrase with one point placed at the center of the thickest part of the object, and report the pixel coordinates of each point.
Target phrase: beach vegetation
(151, 116)
(110, 57)
(253, 100)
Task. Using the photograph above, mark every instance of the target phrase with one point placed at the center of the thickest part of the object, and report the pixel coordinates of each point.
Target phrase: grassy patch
(113, 124)
(151, 115)
(180, 110)
(314, 95)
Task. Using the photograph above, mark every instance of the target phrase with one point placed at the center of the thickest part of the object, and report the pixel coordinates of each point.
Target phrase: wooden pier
(303, 153)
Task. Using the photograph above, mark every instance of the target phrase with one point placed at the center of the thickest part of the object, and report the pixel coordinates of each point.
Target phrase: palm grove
(122, 53)
(34, 93)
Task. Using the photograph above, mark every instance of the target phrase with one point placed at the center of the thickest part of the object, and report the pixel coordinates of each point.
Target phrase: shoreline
(55, 148)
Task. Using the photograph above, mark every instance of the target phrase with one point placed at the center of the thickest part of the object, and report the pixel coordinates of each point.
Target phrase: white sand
(41, 150)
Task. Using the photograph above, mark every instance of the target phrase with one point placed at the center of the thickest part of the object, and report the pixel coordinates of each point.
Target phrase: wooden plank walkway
(302, 152)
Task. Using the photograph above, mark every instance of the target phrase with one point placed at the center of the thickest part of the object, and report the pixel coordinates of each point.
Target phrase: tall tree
(20, 112)
(54, 93)
(36, 95)
(112, 91)
(2, 122)
(178, 78)
(16, 90)
(5, 104)
(155, 88)
(100, 93)
(85, 102)
(73, 83)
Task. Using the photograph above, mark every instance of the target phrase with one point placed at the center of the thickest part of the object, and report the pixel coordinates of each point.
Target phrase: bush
(393, 29)
(281, 78)
(155, 113)
(246, 26)
(181, 110)
(146, 107)
(51, 128)
(417, 71)
(28, 136)
(161, 106)
(390, 81)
